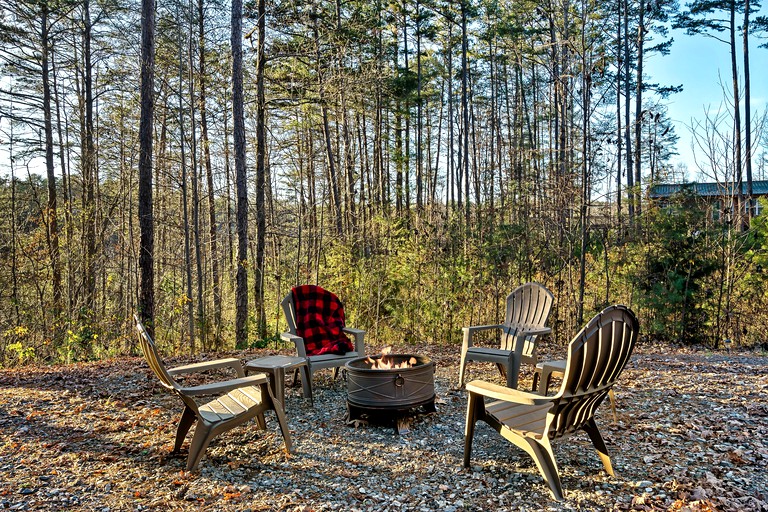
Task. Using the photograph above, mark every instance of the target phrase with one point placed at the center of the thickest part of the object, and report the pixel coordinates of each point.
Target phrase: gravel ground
(689, 436)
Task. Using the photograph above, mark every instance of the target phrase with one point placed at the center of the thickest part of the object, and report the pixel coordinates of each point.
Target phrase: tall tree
(51, 207)
(189, 302)
(146, 302)
(241, 186)
(747, 109)
(641, 30)
(261, 151)
(89, 167)
(206, 148)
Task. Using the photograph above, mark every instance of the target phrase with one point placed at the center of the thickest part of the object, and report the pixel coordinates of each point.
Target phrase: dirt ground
(690, 435)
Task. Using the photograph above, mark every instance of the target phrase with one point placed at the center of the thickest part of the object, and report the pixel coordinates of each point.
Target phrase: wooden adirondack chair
(237, 400)
(528, 308)
(596, 357)
(318, 362)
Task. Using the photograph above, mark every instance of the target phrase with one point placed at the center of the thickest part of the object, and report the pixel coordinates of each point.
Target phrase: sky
(700, 64)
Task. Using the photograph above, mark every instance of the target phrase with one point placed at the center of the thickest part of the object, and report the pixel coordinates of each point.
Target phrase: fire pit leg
(402, 424)
(353, 413)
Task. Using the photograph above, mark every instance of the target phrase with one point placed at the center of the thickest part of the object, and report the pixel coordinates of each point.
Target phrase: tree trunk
(51, 220)
(618, 118)
(261, 150)
(206, 146)
(65, 185)
(465, 110)
(330, 158)
(89, 171)
(449, 192)
(146, 303)
(189, 303)
(738, 217)
(238, 134)
(639, 108)
(196, 180)
(747, 112)
(627, 124)
(419, 121)
(586, 70)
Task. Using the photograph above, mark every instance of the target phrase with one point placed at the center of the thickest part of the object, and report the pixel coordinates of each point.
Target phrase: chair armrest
(359, 335)
(298, 341)
(230, 362)
(506, 394)
(533, 330)
(470, 331)
(225, 386)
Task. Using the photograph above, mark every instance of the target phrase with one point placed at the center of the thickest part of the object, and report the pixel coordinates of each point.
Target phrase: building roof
(759, 188)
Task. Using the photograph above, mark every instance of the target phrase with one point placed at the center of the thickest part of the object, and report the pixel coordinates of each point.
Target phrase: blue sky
(700, 63)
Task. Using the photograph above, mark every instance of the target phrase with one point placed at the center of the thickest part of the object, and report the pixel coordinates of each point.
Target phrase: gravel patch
(689, 436)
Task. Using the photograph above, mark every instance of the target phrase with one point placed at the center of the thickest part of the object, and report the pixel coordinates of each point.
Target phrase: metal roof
(759, 188)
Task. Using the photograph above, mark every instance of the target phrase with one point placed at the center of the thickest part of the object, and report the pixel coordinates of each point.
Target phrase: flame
(386, 362)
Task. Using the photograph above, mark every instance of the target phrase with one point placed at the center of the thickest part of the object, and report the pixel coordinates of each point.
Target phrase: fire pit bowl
(390, 389)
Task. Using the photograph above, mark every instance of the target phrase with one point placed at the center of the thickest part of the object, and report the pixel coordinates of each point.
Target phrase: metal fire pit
(389, 392)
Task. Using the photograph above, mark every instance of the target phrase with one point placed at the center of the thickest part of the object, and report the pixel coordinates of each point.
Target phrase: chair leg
(613, 405)
(590, 428)
(185, 423)
(261, 422)
(512, 370)
(306, 383)
(541, 453)
(268, 399)
(200, 441)
(283, 422)
(467, 338)
(462, 368)
(475, 410)
(504, 372)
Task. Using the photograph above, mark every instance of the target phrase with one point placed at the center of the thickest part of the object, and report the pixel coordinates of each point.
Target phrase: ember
(386, 361)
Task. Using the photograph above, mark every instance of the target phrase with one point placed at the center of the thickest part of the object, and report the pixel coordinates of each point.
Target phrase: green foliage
(78, 344)
(669, 272)
(16, 345)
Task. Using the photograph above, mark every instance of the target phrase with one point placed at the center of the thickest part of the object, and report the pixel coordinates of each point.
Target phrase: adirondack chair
(317, 362)
(596, 357)
(237, 400)
(528, 308)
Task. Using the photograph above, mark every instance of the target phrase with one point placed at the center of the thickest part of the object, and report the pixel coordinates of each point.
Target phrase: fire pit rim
(420, 362)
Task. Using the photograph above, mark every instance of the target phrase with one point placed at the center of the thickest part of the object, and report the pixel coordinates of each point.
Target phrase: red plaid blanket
(319, 320)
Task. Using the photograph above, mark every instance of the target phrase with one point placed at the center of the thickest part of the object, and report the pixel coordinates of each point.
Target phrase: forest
(192, 161)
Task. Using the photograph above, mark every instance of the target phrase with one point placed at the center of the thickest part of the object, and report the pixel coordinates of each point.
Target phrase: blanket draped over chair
(320, 320)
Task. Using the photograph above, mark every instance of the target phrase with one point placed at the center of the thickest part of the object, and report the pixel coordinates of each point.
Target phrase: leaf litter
(690, 436)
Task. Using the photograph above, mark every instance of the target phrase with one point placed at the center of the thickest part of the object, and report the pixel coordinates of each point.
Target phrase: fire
(386, 361)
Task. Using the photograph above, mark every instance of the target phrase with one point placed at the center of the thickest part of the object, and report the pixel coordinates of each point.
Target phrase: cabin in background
(718, 198)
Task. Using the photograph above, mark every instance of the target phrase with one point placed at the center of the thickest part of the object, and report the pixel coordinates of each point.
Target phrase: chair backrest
(289, 308)
(596, 357)
(152, 357)
(528, 305)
